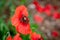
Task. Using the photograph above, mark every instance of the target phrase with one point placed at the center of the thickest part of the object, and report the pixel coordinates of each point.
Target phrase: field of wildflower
(29, 20)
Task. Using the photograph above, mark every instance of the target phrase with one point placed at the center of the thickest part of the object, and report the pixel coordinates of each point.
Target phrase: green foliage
(3, 30)
(25, 37)
(12, 8)
(23, 2)
(2, 4)
(34, 27)
(12, 29)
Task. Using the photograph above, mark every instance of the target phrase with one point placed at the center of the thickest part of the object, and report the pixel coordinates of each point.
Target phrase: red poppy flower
(38, 18)
(55, 34)
(56, 15)
(17, 37)
(38, 7)
(55, 7)
(35, 36)
(47, 9)
(20, 20)
(9, 38)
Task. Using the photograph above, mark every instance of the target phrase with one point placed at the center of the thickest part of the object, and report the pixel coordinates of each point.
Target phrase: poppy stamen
(24, 19)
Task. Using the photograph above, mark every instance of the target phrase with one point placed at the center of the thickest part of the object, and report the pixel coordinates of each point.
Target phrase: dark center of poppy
(40, 38)
(24, 19)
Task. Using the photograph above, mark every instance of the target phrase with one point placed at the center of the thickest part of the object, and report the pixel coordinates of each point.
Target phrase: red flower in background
(47, 9)
(55, 34)
(17, 37)
(9, 38)
(38, 7)
(38, 18)
(20, 20)
(35, 36)
(55, 7)
(56, 15)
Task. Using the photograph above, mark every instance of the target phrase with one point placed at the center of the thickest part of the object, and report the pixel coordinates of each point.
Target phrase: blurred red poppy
(20, 20)
(56, 15)
(55, 7)
(38, 18)
(17, 37)
(35, 36)
(38, 6)
(55, 34)
(47, 9)
(9, 38)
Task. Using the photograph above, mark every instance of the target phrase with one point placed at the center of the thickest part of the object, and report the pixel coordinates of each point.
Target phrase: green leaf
(1, 34)
(12, 29)
(22, 1)
(12, 8)
(5, 36)
(25, 37)
(34, 26)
